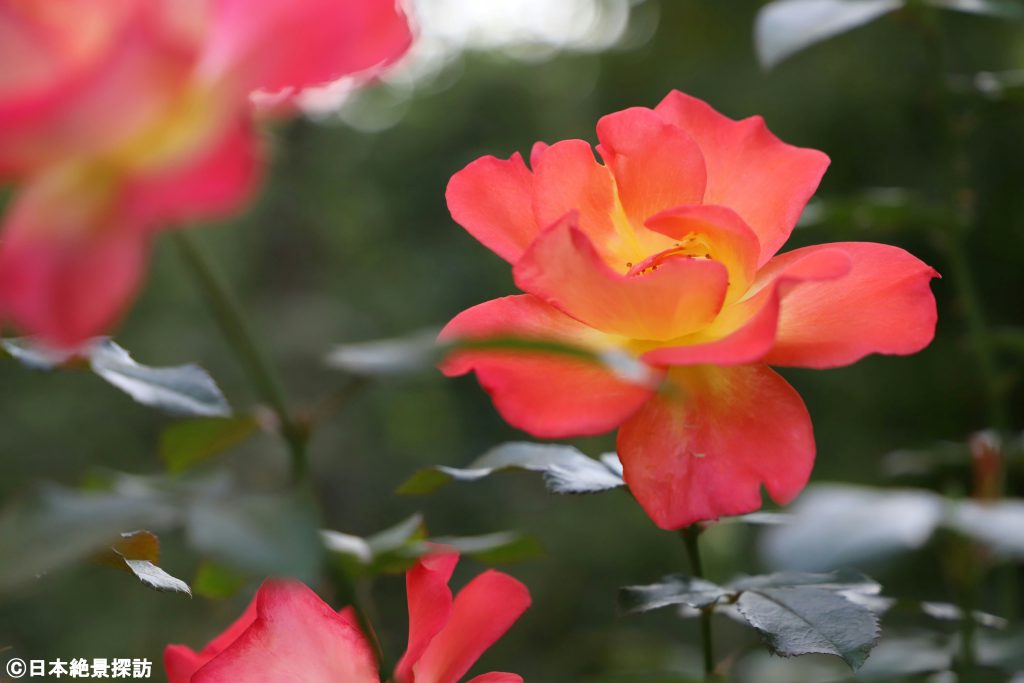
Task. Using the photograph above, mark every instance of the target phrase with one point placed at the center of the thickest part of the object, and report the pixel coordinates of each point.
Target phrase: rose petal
(678, 296)
(720, 233)
(549, 395)
(708, 442)
(492, 199)
(276, 45)
(483, 611)
(66, 274)
(212, 183)
(430, 606)
(85, 108)
(568, 179)
(766, 181)
(884, 305)
(656, 165)
(296, 637)
(181, 662)
(497, 677)
(745, 331)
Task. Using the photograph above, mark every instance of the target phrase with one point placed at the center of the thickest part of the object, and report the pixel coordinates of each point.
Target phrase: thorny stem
(690, 537)
(228, 315)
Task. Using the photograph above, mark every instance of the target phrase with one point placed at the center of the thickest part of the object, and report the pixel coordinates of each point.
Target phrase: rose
(288, 633)
(119, 118)
(667, 251)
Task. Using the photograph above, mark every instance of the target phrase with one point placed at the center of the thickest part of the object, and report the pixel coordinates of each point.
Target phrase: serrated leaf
(566, 470)
(155, 577)
(138, 552)
(186, 444)
(58, 526)
(840, 581)
(803, 620)
(180, 390)
(261, 534)
(785, 27)
(837, 525)
(1000, 9)
(672, 590)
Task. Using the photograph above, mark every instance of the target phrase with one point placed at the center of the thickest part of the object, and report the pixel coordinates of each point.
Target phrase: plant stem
(690, 537)
(954, 155)
(228, 314)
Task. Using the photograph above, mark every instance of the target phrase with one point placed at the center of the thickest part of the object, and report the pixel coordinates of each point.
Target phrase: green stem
(960, 205)
(358, 594)
(232, 323)
(981, 341)
(690, 537)
(955, 158)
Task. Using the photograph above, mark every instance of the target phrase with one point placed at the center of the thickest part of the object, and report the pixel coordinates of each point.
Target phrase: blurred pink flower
(119, 118)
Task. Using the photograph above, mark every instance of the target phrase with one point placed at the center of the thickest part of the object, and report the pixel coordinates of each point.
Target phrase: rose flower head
(667, 251)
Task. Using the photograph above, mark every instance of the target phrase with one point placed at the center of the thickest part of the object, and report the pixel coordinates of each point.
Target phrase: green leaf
(944, 611)
(758, 519)
(565, 469)
(186, 444)
(840, 581)
(397, 548)
(785, 27)
(421, 351)
(502, 547)
(34, 356)
(898, 658)
(179, 390)
(672, 590)
(806, 619)
(834, 525)
(139, 553)
(402, 356)
(155, 577)
(999, 525)
(397, 536)
(1000, 9)
(134, 545)
(261, 534)
(58, 526)
(424, 481)
(216, 581)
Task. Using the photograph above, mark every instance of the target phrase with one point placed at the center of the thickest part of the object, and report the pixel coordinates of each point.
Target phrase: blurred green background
(351, 240)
